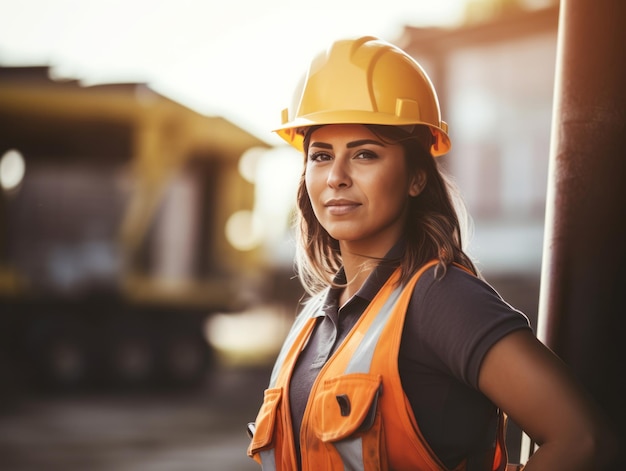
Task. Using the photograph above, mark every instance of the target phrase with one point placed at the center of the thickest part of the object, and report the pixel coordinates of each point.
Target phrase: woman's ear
(418, 182)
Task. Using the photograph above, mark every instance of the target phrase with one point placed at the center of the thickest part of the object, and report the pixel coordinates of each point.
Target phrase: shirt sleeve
(455, 321)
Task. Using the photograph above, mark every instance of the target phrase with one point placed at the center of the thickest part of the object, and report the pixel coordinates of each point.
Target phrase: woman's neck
(357, 268)
(359, 260)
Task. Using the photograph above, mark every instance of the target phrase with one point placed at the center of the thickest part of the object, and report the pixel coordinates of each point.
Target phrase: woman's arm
(536, 389)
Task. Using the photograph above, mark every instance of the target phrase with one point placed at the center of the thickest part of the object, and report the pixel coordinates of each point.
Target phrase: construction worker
(403, 357)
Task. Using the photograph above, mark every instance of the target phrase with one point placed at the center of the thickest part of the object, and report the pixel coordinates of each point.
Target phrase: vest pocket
(265, 423)
(346, 405)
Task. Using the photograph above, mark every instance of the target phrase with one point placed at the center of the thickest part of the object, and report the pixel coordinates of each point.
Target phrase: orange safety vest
(357, 416)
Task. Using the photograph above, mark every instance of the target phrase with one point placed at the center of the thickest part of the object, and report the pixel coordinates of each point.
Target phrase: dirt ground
(141, 431)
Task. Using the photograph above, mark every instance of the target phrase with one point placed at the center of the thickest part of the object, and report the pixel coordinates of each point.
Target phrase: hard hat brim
(293, 134)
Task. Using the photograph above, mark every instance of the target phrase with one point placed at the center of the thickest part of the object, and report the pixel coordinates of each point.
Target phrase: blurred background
(146, 253)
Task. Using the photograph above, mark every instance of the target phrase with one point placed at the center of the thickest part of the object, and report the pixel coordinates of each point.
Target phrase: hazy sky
(238, 59)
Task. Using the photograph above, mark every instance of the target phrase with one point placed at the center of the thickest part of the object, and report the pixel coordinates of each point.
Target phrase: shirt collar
(374, 281)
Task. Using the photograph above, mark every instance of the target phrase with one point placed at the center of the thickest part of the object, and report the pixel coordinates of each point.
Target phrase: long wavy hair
(435, 225)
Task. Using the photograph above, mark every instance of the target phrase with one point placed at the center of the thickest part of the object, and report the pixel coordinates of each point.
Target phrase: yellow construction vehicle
(112, 245)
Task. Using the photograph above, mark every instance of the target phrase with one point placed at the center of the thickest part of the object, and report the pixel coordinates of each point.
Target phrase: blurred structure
(113, 253)
(495, 78)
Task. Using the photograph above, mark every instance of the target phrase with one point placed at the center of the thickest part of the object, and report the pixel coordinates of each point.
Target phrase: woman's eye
(319, 157)
(365, 155)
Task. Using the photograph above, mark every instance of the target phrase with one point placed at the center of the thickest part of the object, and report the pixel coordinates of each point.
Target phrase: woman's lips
(340, 207)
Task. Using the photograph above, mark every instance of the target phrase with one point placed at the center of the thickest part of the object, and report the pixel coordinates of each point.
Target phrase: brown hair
(432, 231)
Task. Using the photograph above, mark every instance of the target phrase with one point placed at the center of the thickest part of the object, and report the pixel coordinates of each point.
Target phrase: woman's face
(359, 187)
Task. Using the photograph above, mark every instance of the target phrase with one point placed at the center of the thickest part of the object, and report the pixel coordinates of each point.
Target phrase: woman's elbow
(597, 445)
(605, 447)
(591, 446)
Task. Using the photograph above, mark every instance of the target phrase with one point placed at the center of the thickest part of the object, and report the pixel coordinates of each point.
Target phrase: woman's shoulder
(453, 285)
(460, 296)
(457, 317)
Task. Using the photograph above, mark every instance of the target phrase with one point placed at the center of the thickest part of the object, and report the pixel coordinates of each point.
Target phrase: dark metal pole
(582, 305)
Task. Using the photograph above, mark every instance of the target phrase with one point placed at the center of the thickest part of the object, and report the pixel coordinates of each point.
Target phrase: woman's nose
(339, 174)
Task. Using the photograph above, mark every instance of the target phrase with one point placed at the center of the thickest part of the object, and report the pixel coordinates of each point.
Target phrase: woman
(402, 358)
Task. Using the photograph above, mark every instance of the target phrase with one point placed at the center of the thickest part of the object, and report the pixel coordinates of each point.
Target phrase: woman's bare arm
(536, 389)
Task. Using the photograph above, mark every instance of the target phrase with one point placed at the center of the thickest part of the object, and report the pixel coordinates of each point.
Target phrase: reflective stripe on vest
(311, 308)
(293, 344)
(351, 449)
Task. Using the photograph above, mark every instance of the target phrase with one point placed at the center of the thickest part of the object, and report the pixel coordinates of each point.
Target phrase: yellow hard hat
(365, 81)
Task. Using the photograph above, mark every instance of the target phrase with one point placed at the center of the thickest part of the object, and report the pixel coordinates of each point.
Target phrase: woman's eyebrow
(349, 145)
(323, 145)
(363, 142)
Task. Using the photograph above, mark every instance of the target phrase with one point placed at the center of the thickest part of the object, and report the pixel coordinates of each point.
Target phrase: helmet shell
(365, 81)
